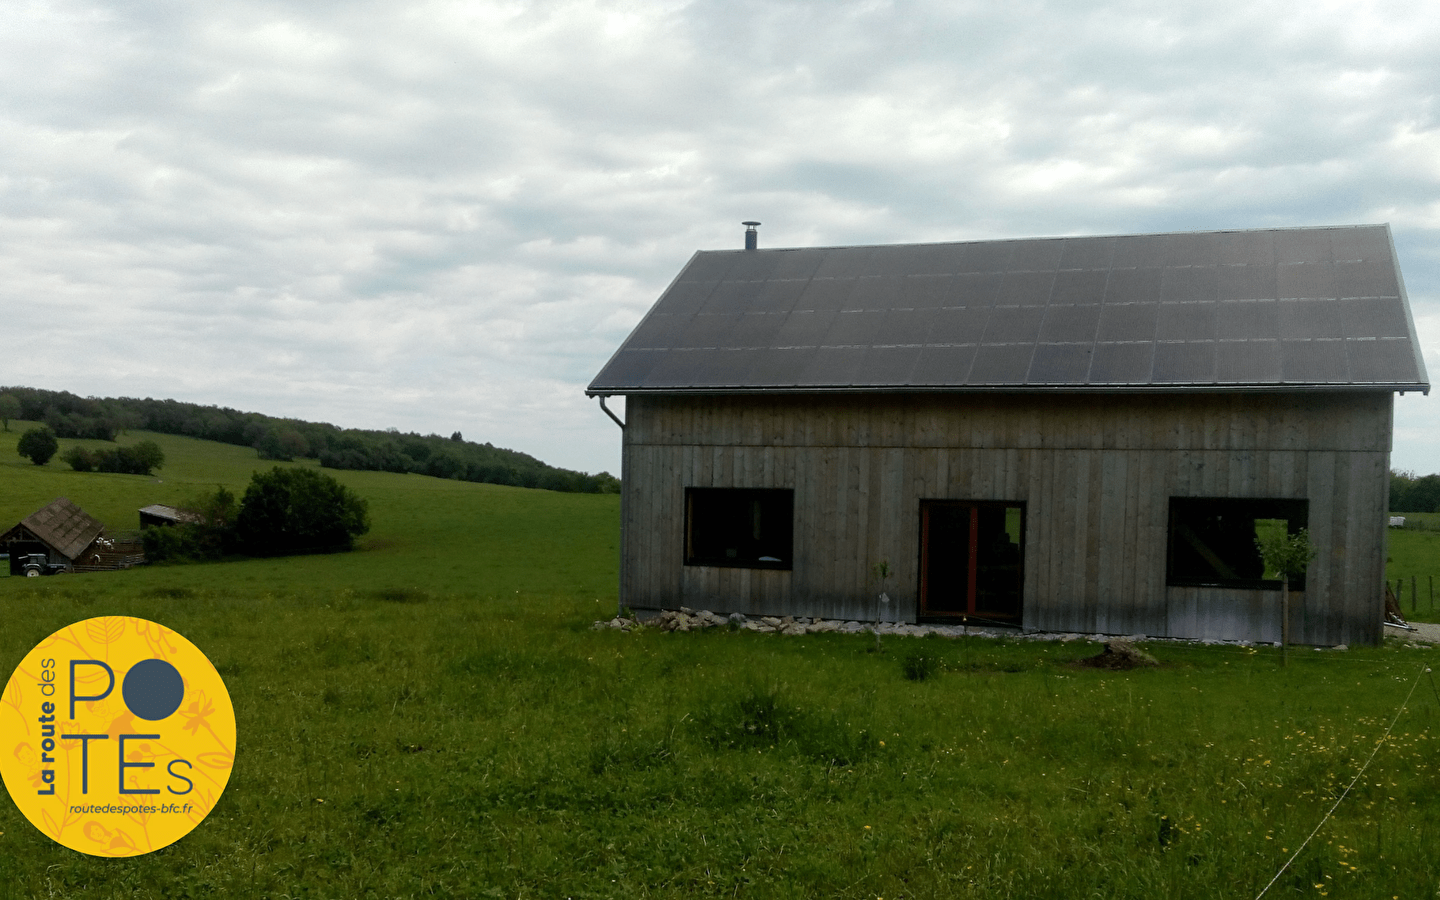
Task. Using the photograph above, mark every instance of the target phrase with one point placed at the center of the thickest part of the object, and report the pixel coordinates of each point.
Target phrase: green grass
(1415, 553)
(431, 716)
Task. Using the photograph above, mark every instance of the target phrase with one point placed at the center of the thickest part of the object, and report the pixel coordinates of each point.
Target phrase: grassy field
(1415, 553)
(431, 716)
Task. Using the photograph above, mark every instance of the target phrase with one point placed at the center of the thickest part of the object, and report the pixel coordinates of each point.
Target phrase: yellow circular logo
(117, 736)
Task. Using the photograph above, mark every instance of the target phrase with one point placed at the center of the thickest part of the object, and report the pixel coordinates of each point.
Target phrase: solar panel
(1079, 286)
(1379, 317)
(943, 366)
(1010, 324)
(1060, 364)
(1247, 362)
(804, 328)
(1384, 361)
(1307, 281)
(1311, 319)
(1302, 245)
(1275, 307)
(825, 293)
(1070, 324)
(890, 366)
(1133, 286)
(1121, 363)
(1245, 282)
(1247, 319)
(1042, 255)
(1189, 284)
(1093, 253)
(709, 266)
(833, 367)
(1314, 362)
(1185, 322)
(1365, 278)
(1184, 363)
(1001, 363)
(856, 328)
(1026, 289)
(1128, 322)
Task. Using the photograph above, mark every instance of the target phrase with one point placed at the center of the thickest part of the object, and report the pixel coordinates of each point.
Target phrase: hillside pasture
(433, 716)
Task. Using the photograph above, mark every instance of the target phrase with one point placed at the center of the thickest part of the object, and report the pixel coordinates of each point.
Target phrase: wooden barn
(62, 531)
(1066, 434)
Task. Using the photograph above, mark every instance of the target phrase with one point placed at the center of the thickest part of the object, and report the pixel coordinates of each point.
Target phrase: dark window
(747, 528)
(1212, 540)
(971, 555)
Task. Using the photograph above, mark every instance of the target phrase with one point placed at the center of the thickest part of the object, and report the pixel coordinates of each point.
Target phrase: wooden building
(63, 532)
(1068, 434)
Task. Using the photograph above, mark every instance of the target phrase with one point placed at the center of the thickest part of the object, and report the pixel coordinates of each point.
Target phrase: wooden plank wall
(1095, 472)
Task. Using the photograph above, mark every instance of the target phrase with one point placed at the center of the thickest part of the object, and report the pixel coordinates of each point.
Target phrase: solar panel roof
(1271, 309)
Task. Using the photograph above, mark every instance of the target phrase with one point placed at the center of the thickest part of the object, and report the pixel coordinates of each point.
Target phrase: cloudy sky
(446, 215)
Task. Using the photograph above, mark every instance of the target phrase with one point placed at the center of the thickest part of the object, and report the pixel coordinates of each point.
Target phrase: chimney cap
(751, 224)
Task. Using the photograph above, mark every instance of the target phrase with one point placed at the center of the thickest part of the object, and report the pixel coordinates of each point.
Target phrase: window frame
(778, 506)
(1190, 510)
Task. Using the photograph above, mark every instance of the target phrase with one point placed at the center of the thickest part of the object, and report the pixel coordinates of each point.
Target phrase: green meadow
(1415, 554)
(432, 716)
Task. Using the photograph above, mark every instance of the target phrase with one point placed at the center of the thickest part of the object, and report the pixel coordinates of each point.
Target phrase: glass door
(971, 559)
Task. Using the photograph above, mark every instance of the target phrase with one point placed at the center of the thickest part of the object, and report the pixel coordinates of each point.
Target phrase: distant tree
(148, 456)
(1409, 493)
(456, 437)
(282, 444)
(38, 445)
(80, 459)
(287, 511)
(10, 409)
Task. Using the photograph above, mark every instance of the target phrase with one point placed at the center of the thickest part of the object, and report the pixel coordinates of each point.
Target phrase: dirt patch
(1119, 655)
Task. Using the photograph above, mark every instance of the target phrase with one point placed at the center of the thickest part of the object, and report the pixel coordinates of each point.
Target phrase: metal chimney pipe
(752, 239)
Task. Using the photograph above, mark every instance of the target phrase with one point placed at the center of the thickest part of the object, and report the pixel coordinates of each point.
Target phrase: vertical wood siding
(1095, 473)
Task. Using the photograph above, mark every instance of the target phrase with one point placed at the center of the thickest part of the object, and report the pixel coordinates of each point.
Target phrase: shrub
(79, 459)
(211, 537)
(140, 459)
(288, 511)
(38, 445)
(919, 666)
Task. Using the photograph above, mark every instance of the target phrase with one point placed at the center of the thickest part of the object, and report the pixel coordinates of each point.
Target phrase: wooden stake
(1285, 621)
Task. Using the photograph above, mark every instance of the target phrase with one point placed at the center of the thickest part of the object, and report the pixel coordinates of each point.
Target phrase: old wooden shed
(61, 531)
(1066, 434)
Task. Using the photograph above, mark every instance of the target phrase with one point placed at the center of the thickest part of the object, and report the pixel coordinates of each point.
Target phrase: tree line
(71, 416)
(1410, 493)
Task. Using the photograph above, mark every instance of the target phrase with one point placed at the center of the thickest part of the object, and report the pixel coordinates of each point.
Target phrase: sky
(442, 216)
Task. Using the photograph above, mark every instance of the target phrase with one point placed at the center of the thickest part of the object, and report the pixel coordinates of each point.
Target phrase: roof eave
(1206, 388)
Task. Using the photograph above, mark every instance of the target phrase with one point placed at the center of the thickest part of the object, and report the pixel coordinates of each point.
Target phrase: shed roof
(65, 527)
(169, 513)
(1270, 309)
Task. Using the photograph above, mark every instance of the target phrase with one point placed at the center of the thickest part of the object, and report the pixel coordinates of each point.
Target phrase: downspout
(614, 418)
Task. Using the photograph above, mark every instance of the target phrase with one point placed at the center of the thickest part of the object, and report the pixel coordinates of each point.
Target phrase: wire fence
(1418, 587)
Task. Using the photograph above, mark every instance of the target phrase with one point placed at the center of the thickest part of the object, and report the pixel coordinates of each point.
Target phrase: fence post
(1400, 593)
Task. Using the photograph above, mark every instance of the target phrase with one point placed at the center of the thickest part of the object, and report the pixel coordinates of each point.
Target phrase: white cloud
(446, 215)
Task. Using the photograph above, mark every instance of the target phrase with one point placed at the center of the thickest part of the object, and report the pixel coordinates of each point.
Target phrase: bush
(79, 459)
(919, 666)
(212, 537)
(288, 511)
(140, 459)
(38, 445)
